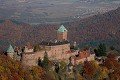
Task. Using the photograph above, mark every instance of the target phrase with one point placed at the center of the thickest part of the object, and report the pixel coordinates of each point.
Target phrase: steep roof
(10, 49)
(62, 29)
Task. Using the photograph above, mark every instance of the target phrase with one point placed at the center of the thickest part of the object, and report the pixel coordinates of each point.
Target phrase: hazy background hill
(89, 31)
(51, 11)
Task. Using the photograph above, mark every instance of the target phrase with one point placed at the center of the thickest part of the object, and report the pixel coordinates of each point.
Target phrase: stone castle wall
(28, 50)
(54, 52)
(58, 51)
(39, 54)
(29, 59)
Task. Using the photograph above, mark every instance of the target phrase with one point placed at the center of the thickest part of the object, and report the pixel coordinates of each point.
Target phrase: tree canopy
(101, 50)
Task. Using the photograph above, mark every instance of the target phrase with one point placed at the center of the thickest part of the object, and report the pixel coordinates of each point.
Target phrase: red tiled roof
(77, 58)
(82, 54)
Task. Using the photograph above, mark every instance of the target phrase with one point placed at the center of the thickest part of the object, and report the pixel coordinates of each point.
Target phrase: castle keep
(62, 34)
(57, 50)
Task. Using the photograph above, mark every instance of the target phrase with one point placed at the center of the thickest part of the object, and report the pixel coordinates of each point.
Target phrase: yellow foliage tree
(104, 72)
(1, 69)
(4, 77)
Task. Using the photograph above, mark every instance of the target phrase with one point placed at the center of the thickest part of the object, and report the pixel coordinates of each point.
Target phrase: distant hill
(89, 31)
(99, 28)
(47, 11)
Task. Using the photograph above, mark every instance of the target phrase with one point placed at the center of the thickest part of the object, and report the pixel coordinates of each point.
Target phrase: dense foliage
(14, 70)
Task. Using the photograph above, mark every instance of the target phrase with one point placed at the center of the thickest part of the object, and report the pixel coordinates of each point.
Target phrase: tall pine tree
(45, 62)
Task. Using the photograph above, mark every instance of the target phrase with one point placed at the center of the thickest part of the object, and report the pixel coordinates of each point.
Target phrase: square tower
(62, 33)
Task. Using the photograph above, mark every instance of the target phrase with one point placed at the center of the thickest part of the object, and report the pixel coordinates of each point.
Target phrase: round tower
(10, 52)
(62, 33)
(28, 58)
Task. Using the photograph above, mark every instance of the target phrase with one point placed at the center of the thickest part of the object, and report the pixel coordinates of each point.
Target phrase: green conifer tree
(101, 50)
(45, 62)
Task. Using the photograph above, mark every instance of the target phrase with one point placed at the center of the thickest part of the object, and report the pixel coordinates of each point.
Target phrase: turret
(62, 33)
(75, 44)
(10, 52)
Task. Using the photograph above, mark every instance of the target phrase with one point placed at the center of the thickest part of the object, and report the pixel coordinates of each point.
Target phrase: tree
(79, 77)
(57, 67)
(61, 70)
(39, 62)
(112, 48)
(104, 72)
(36, 48)
(110, 62)
(45, 62)
(80, 69)
(90, 69)
(101, 50)
(63, 66)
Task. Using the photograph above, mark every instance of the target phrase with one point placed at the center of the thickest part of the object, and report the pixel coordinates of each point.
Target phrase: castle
(57, 51)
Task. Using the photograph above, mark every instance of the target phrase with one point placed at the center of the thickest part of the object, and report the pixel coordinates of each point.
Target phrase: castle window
(55, 51)
(62, 50)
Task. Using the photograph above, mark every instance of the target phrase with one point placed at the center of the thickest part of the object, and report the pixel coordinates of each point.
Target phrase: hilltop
(89, 31)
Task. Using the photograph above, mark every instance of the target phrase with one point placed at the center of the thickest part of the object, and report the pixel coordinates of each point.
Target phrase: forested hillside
(89, 31)
(14, 70)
